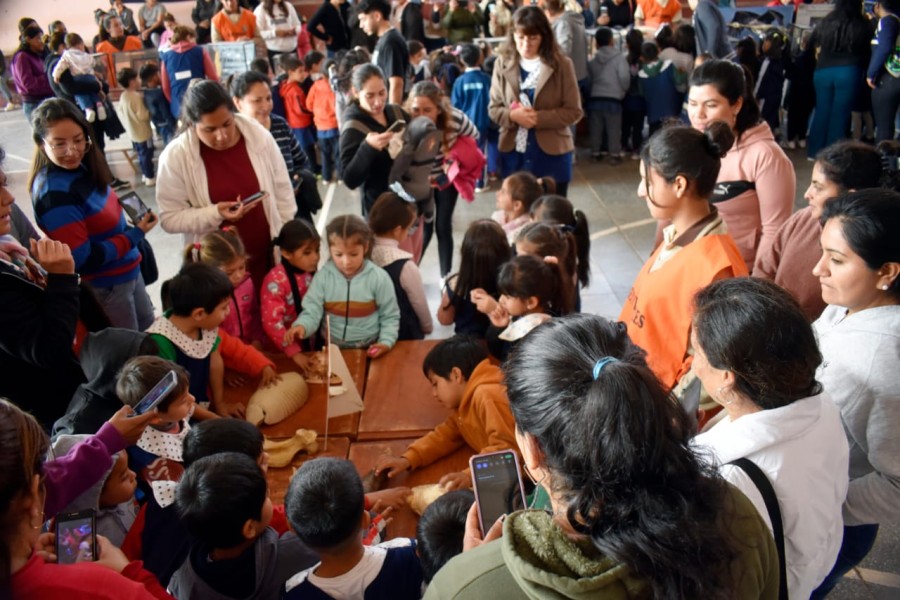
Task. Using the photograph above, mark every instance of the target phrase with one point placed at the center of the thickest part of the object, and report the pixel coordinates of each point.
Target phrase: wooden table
(399, 401)
(366, 454)
(280, 479)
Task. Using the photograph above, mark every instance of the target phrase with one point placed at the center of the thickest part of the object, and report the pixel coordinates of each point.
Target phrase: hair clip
(397, 188)
(598, 366)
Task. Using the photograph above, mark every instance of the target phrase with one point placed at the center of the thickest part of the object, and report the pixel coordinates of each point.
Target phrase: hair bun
(719, 138)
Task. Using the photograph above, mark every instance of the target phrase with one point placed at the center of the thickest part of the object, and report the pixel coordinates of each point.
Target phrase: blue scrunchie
(598, 366)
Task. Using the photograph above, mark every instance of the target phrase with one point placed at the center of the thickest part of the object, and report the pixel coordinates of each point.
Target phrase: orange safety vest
(245, 26)
(658, 310)
(655, 15)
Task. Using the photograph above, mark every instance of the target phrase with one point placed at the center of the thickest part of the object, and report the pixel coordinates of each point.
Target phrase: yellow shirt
(134, 116)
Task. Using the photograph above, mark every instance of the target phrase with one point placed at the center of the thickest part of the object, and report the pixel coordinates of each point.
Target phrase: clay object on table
(423, 495)
(373, 482)
(279, 401)
(282, 452)
(317, 371)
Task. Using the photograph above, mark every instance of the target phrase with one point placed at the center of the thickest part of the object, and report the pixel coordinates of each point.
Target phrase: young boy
(321, 102)
(325, 506)
(160, 111)
(464, 380)
(659, 81)
(81, 65)
(296, 112)
(471, 94)
(223, 501)
(136, 118)
(313, 63)
(610, 79)
(439, 534)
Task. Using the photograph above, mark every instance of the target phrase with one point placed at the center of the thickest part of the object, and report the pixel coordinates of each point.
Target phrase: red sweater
(295, 109)
(322, 104)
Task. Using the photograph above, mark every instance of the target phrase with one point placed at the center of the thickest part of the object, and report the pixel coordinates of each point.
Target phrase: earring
(718, 396)
(885, 287)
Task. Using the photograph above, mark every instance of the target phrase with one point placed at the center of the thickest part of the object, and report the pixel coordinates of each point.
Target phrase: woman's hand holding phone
(111, 556)
(472, 537)
(147, 223)
(131, 425)
(379, 141)
(235, 211)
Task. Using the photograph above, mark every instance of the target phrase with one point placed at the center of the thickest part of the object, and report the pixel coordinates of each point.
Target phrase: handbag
(149, 270)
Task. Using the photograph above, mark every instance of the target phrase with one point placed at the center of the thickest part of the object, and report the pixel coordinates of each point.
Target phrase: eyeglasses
(62, 148)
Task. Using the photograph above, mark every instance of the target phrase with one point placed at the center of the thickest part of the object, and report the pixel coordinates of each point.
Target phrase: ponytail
(557, 241)
(559, 210)
(216, 248)
(529, 276)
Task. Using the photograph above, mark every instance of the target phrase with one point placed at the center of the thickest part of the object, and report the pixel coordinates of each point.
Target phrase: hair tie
(551, 260)
(567, 229)
(598, 366)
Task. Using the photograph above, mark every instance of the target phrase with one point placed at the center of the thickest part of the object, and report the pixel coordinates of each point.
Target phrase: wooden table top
(398, 399)
(280, 479)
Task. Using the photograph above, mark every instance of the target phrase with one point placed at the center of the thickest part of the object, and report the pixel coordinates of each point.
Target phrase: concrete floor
(622, 234)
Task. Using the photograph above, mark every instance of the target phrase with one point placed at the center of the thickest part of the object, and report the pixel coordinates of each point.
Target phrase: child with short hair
(155, 100)
(463, 379)
(440, 531)
(313, 62)
(295, 107)
(514, 199)
(136, 118)
(471, 95)
(358, 295)
(610, 80)
(659, 82)
(326, 508)
(321, 101)
(418, 62)
(81, 64)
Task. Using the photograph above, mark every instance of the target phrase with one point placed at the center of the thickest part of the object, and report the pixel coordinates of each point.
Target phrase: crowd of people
(732, 434)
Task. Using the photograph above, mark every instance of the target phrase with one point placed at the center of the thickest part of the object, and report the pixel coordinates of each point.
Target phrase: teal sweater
(362, 308)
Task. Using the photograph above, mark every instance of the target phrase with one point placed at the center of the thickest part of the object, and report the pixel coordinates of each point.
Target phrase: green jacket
(535, 559)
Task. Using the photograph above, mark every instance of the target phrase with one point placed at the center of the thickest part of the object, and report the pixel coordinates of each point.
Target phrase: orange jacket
(242, 357)
(655, 15)
(231, 32)
(658, 310)
(483, 421)
(295, 109)
(320, 102)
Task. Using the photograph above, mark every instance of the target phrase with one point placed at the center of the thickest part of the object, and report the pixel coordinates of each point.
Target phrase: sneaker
(802, 143)
(90, 115)
(118, 184)
(604, 153)
(149, 181)
(101, 112)
(792, 145)
(596, 156)
(479, 190)
(615, 159)
(11, 106)
(635, 156)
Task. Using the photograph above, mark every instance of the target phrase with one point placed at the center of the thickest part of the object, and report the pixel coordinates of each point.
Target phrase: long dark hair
(617, 450)
(268, 5)
(531, 20)
(484, 249)
(844, 29)
(851, 165)
(559, 210)
(734, 82)
(695, 155)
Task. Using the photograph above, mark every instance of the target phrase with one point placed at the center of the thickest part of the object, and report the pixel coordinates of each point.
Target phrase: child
(313, 62)
(357, 295)
(81, 65)
(224, 250)
(514, 199)
(560, 211)
(439, 534)
(160, 112)
(418, 62)
(321, 102)
(484, 249)
(464, 380)
(634, 106)
(223, 501)
(185, 62)
(659, 82)
(326, 508)
(295, 109)
(136, 118)
(391, 219)
(610, 79)
(471, 95)
(770, 84)
(286, 284)
(545, 239)
(165, 39)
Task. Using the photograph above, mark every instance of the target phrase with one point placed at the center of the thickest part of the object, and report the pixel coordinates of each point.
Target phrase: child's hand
(395, 498)
(230, 409)
(460, 480)
(303, 362)
(294, 333)
(472, 537)
(131, 425)
(483, 301)
(376, 350)
(235, 380)
(499, 317)
(394, 465)
(269, 377)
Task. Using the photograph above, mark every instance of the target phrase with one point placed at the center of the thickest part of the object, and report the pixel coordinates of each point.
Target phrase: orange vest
(132, 44)
(655, 15)
(245, 26)
(658, 310)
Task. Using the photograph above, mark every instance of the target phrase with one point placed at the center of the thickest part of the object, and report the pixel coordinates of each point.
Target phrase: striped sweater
(68, 208)
(459, 124)
(293, 154)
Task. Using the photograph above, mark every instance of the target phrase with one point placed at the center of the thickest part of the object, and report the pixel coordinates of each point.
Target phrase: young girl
(286, 284)
(560, 211)
(224, 250)
(544, 239)
(484, 250)
(514, 199)
(357, 295)
(530, 293)
(391, 219)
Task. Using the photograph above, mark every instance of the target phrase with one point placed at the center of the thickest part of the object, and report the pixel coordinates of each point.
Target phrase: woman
(253, 98)
(535, 135)
(113, 38)
(74, 204)
(678, 170)
(634, 512)
(278, 25)
(365, 157)
(755, 189)
(217, 160)
(789, 261)
(330, 24)
(150, 19)
(860, 275)
(755, 353)
(883, 74)
(27, 66)
(427, 100)
(118, 8)
(841, 41)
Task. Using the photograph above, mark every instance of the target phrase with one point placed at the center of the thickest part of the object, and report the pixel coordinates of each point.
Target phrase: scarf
(533, 68)
(17, 256)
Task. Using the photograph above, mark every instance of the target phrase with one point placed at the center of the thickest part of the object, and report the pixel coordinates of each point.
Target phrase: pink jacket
(243, 320)
(754, 216)
(277, 304)
(468, 164)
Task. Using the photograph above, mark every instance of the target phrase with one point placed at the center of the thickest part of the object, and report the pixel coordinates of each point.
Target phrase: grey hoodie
(569, 31)
(610, 76)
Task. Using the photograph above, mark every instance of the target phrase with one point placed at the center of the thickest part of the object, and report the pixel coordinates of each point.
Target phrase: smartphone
(133, 206)
(397, 126)
(76, 537)
(497, 482)
(157, 394)
(253, 198)
(604, 10)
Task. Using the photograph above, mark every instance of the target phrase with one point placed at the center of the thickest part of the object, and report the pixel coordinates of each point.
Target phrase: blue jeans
(328, 146)
(144, 152)
(858, 541)
(127, 304)
(86, 101)
(835, 91)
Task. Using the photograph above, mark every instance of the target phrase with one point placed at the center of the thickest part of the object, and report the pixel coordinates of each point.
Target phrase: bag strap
(768, 494)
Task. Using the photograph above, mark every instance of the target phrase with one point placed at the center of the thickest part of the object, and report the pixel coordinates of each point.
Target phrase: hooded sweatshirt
(610, 76)
(184, 62)
(568, 28)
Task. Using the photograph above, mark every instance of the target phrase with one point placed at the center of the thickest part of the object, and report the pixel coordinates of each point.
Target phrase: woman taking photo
(278, 25)
(860, 275)
(535, 101)
(74, 204)
(219, 161)
(754, 191)
(883, 74)
(755, 354)
(634, 513)
(366, 157)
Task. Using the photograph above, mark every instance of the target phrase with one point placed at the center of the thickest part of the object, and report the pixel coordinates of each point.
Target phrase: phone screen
(133, 206)
(76, 540)
(253, 198)
(397, 126)
(498, 485)
(157, 394)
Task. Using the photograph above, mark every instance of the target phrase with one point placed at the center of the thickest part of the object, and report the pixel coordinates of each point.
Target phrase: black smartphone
(253, 198)
(76, 537)
(397, 126)
(157, 394)
(133, 206)
(497, 482)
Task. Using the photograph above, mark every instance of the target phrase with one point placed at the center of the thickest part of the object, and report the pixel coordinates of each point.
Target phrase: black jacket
(335, 24)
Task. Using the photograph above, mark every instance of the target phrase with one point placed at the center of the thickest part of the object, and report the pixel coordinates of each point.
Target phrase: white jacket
(268, 25)
(802, 450)
(182, 189)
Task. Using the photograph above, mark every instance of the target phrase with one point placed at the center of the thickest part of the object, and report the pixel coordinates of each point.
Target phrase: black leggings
(445, 203)
(885, 101)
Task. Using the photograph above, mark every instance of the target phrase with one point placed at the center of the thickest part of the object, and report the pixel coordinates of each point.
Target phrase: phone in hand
(76, 537)
(397, 126)
(134, 207)
(157, 394)
(252, 198)
(497, 482)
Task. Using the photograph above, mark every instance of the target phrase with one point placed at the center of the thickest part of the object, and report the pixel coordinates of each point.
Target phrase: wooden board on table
(399, 401)
(280, 479)
(365, 455)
